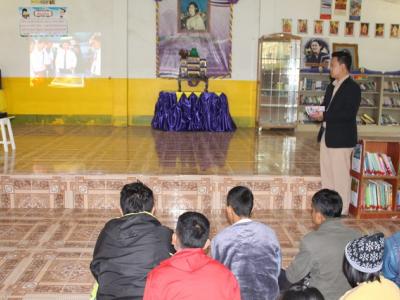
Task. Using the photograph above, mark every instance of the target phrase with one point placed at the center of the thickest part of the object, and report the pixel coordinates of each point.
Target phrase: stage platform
(62, 184)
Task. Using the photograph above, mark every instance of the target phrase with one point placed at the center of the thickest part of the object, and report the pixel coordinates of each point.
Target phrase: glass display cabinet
(278, 81)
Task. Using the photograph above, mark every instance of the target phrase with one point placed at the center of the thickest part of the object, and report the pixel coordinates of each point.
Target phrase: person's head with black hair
(302, 292)
(326, 204)
(25, 13)
(363, 259)
(192, 8)
(239, 202)
(192, 231)
(136, 197)
(340, 64)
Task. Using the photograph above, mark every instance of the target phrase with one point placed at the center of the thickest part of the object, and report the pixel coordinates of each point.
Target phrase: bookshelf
(379, 110)
(375, 185)
(390, 114)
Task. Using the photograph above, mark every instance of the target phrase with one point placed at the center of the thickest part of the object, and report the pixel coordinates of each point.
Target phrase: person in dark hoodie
(130, 246)
(190, 273)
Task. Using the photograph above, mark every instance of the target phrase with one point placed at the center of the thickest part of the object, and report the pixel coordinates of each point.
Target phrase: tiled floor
(45, 247)
(141, 150)
(45, 254)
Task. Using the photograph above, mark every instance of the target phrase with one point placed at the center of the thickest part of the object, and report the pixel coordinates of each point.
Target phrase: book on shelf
(308, 84)
(378, 164)
(368, 86)
(391, 86)
(387, 119)
(356, 158)
(367, 119)
(378, 195)
(311, 100)
(354, 191)
(365, 101)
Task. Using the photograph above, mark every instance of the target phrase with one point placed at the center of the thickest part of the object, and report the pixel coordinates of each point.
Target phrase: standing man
(338, 133)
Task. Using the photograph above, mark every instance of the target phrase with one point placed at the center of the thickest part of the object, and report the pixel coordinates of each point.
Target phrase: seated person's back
(130, 246)
(321, 251)
(190, 273)
(391, 258)
(249, 249)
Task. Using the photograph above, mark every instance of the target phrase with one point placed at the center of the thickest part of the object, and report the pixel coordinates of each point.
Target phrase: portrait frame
(349, 28)
(325, 51)
(352, 49)
(364, 32)
(334, 27)
(394, 30)
(379, 30)
(302, 26)
(287, 25)
(202, 10)
(318, 27)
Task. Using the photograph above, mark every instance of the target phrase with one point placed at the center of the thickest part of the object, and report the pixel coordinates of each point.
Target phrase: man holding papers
(338, 133)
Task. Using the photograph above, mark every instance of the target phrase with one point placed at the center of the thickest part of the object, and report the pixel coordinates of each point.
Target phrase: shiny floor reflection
(142, 150)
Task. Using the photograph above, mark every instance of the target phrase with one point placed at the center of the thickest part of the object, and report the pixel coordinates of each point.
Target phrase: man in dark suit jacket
(338, 133)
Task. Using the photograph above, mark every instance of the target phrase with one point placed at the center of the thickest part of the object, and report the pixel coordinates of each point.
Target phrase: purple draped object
(209, 112)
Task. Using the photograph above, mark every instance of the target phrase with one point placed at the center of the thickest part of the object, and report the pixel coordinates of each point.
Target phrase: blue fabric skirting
(208, 112)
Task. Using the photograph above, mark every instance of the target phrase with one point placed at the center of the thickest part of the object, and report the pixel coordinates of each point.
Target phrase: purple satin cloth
(209, 112)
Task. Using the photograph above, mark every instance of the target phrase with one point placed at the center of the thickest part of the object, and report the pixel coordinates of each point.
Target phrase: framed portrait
(318, 27)
(333, 27)
(379, 30)
(302, 26)
(193, 15)
(316, 53)
(287, 25)
(364, 29)
(350, 48)
(394, 30)
(349, 29)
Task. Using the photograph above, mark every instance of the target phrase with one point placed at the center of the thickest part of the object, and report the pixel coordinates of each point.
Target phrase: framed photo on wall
(350, 48)
(302, 26)
(193, 15)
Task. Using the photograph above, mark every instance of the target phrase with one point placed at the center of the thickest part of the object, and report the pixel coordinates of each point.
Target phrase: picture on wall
(199, 25)
(350, 48)
(316, 53)
(349, 29)
(364, 29)
(333, 27)
(326, 10)
(318, 27)
(355, 10)
(287, 25)
(340, 7)
(394, 30)
(302, 26)
(379, 30)
(193, 15)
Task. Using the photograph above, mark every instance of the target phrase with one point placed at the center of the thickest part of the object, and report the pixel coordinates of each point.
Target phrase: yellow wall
(113, 101)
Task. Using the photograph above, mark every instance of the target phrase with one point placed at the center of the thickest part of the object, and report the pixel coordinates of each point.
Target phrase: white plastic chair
(4, 139)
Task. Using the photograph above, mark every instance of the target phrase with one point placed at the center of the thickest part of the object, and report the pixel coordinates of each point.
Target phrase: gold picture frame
(352, 49)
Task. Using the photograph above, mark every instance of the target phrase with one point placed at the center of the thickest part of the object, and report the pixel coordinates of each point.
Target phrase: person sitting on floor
(302, 292)
(391, 258)
(130, 246)
(248, 248)
(190, 273)
(362, 263)
(321, 251)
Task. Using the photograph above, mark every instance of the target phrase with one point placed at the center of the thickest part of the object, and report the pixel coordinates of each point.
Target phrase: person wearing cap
(362, 265)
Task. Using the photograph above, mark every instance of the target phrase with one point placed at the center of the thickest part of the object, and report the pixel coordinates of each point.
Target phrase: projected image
(67, 60)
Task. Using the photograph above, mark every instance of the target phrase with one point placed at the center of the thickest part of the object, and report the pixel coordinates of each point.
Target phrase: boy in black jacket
(130, 246)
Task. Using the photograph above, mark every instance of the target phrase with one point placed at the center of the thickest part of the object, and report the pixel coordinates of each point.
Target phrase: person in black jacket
(129, 247)
(338, 133)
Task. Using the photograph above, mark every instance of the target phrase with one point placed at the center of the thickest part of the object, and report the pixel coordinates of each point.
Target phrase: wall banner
(43, 21)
